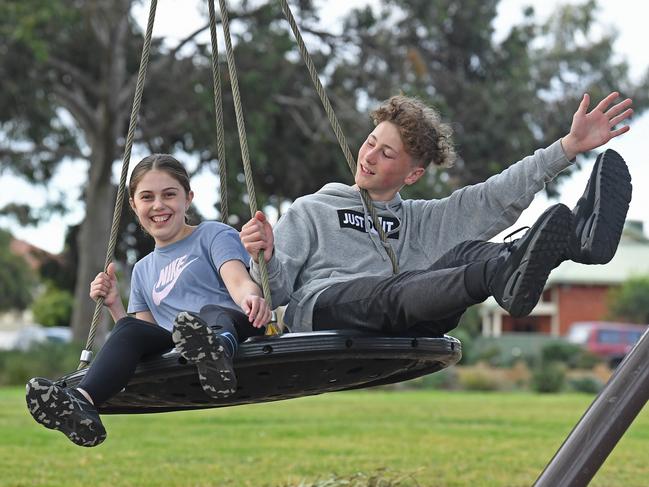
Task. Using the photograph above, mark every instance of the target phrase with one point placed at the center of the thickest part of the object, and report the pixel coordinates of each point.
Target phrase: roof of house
(32, 254)
(631, 259)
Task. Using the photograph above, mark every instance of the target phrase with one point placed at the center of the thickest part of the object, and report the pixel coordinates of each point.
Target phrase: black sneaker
(519, 280)
(601, 211)
(66, 410)
(200, 345)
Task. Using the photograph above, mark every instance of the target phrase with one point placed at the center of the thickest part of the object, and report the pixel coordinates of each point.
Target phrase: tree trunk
(93, 240)
(100, 192)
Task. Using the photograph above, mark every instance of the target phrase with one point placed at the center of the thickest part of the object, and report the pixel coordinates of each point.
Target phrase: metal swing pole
(603, 424)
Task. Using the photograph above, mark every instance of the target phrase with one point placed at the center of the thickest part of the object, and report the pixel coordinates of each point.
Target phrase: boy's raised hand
(592, 129)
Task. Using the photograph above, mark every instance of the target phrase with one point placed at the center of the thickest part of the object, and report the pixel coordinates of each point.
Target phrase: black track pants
(426, 302)
(133, 339)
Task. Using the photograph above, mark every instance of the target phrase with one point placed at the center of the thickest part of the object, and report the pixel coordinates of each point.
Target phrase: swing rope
(340, 136)
(86, 354)
(272, 328)
(218, 112)
(373, 361)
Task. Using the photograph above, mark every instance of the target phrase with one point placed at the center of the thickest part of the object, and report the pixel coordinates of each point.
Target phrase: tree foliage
(505, 97)
(16, 279)
(53, 307)
(68, 70)
(630, 302)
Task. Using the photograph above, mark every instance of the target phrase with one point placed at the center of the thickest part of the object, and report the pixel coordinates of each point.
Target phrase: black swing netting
(283, 367)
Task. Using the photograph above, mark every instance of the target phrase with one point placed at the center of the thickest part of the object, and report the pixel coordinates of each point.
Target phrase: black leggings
(133, 339)
(426, 302)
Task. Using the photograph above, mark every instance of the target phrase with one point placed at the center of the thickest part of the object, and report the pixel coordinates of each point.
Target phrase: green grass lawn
(422, 438)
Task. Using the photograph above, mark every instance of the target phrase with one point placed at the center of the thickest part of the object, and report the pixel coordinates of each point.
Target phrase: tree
(68, 69)
(67, 73)
(630, 302)
(16, 278)
(505, 98)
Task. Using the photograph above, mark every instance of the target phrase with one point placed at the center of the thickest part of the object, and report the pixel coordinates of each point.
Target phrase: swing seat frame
(283, 367)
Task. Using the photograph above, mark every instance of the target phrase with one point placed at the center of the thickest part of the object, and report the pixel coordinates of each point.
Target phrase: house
(33, 255)
(574, 292)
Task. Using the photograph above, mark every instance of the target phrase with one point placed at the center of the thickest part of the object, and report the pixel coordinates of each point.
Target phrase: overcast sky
(175, 23)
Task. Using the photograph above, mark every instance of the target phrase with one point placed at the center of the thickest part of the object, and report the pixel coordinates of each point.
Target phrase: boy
(326, 261)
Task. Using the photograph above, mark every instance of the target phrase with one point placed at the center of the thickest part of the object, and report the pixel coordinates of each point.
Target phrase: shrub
(587, 384)
(519, 374)
(16, 278)
(446, 379)
(491, 354)
(45, 360)
(53, 307)
(560, 351)
(479, 378)
(548, 377)
(630, 302)
(588, 360)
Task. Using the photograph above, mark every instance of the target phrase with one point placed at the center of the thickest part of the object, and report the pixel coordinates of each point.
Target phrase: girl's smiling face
(160, 203)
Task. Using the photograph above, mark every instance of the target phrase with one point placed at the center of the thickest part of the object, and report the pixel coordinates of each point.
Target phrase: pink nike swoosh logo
(158, 296)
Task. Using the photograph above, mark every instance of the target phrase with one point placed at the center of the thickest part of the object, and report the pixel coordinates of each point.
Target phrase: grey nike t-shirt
(184, 276)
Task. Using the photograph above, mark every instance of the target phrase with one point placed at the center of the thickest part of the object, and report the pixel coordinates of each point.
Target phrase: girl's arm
(105, 286)
(245, 292)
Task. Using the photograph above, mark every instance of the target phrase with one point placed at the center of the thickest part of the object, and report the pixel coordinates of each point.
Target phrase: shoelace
(511, 243)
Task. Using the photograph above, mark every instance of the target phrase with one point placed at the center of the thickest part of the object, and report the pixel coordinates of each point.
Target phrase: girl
(189, 293)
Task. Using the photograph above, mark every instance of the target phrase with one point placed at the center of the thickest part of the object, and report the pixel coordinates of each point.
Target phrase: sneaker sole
(199, 345)
(601, 234)
(524, 287)
(45, 407)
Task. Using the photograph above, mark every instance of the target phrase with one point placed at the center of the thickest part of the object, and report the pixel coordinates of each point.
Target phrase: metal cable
(86, 354)
(333, 120)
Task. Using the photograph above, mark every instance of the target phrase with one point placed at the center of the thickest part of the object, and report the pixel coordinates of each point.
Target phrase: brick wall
(581, 303)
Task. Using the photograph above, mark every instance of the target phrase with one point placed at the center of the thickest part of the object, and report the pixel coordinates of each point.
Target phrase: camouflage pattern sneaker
(66, 410)
(200, 345)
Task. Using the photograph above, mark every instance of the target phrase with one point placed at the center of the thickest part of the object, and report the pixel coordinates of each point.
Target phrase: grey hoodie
(324, 239)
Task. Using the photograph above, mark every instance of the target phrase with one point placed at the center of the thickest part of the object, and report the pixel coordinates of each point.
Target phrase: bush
(630, 302)
(549, 377)
(50, 360)
(446, 379)
(479, 379)
(53, 307)
(587, 384)
(16, 278)
(560, 351)
(491, 354)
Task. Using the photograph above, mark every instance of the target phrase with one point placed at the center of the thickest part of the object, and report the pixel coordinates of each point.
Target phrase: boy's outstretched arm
(590, 130)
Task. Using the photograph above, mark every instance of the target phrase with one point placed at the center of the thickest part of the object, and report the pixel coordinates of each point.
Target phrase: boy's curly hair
(426, 138)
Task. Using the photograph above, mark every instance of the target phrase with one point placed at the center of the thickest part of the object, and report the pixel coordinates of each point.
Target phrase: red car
(611, 341)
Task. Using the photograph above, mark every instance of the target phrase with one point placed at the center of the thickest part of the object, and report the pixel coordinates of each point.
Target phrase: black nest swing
(283, 367)
(269, 368)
